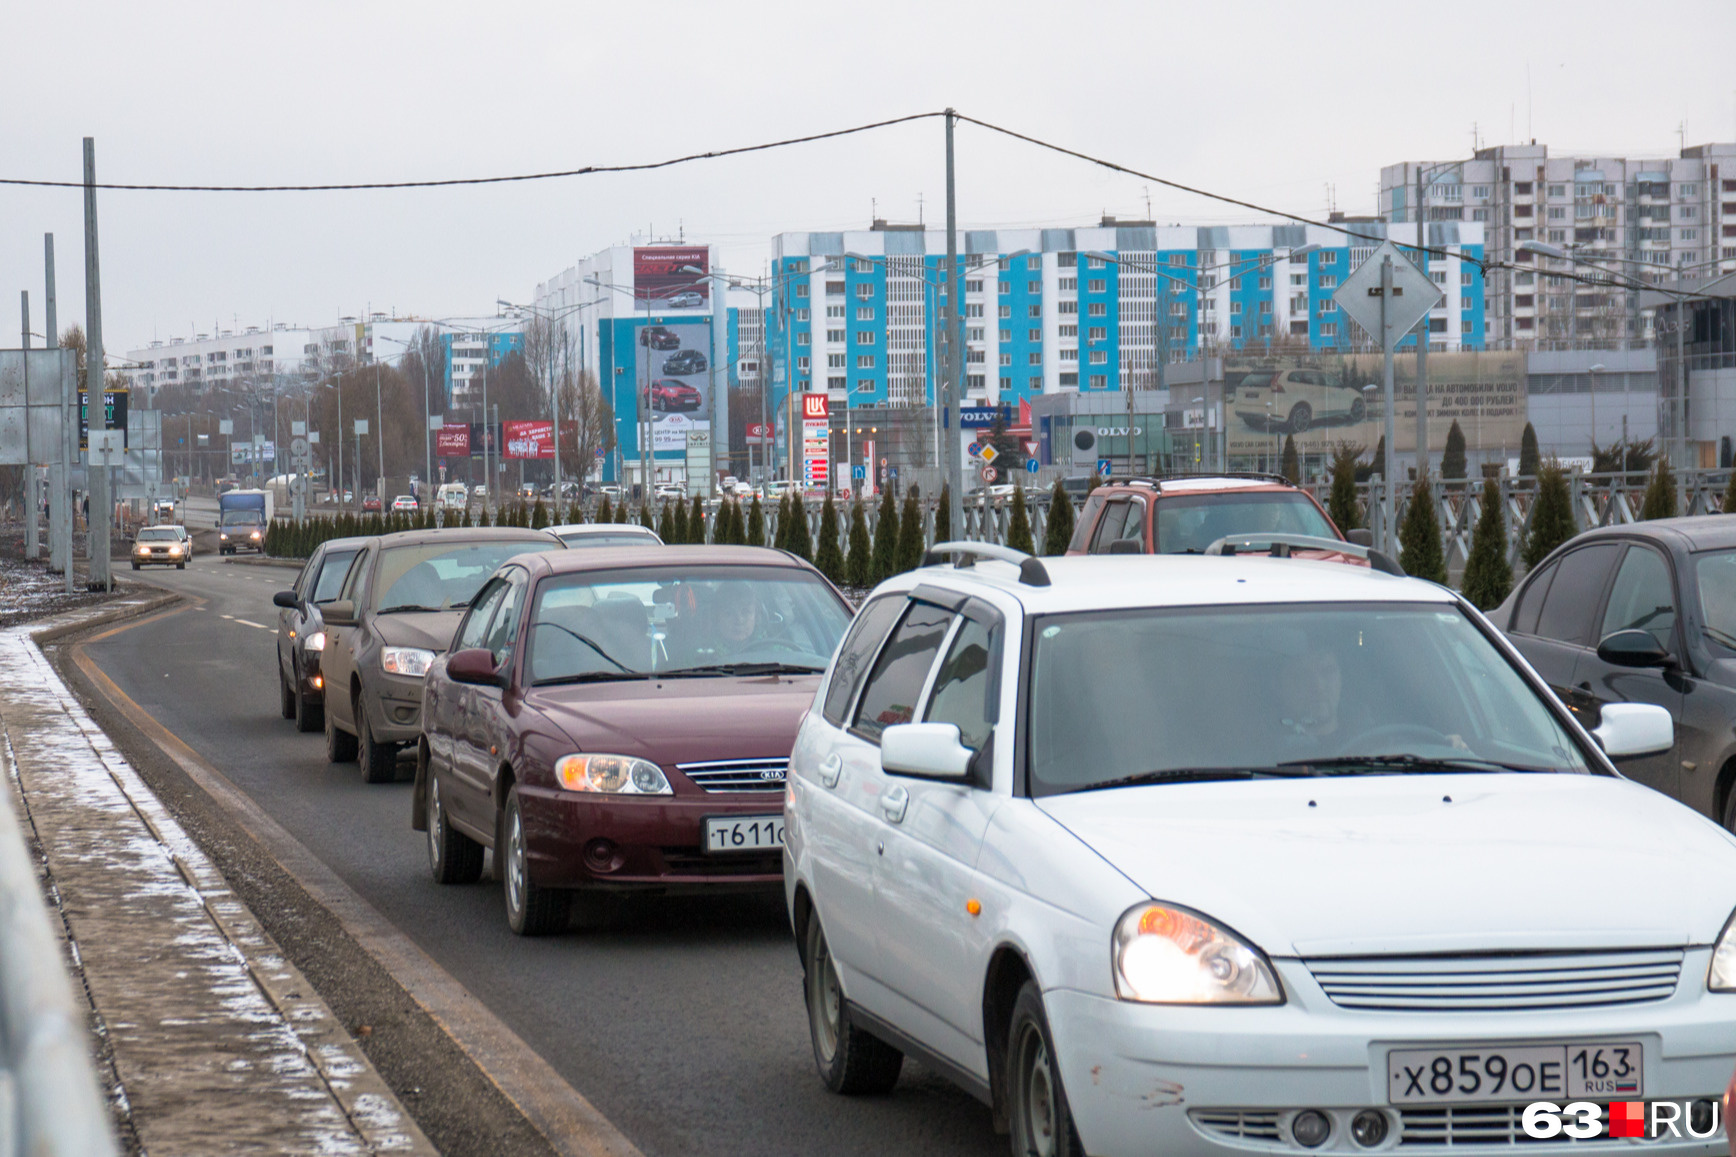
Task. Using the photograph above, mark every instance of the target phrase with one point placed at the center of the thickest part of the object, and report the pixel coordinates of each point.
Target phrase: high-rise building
(1648, 219)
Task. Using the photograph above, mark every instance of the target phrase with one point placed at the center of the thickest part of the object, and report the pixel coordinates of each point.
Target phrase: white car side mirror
(1629, 730)
(925, 750)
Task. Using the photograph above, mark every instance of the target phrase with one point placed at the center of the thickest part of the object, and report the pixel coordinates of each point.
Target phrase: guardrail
(49, 1103)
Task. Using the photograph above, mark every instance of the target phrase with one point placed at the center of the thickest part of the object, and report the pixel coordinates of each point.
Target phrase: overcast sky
(1277, 103)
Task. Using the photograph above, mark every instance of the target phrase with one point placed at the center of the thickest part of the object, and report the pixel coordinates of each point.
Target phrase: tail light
(1277, 386)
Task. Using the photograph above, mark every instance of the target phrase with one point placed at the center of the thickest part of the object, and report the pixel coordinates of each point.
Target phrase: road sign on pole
(989, 454)
(1031, 465)
(1103, 467)
(988, 473)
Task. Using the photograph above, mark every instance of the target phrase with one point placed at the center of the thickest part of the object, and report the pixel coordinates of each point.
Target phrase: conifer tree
(666, 525)
(1453, 464)
(1060, 529)
(1488, 576)
(798, 541)
(756, 523)
(605, 510)
(1019, 528)
(539, 516)
(943, 515)
(1291, 466)
(886, 539)
(1660, 499)
(1551, 514)
(1530, 462)
(910, 543)
(828, 555)
(859, 563)
(1419, 536)
(1341, 502)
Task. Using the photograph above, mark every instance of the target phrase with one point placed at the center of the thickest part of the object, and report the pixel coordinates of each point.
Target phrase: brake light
(1277, 386)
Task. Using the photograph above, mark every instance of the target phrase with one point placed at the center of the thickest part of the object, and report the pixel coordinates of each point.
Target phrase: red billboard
(452, 442)
(663, 276)
(528, 439)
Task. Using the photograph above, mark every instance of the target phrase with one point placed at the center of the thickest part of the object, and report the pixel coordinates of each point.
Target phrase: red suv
(669, 395)
(1186, 514)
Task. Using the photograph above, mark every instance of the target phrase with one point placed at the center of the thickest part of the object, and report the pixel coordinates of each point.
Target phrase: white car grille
(1460, 1125)
(1513, 982)
(1241, 1124)
(738, 775)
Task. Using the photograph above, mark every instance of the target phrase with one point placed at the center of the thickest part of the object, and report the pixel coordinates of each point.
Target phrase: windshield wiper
(593, 677)
(741, 669)
(1196, 775)
(410, 607)
(1417, 764)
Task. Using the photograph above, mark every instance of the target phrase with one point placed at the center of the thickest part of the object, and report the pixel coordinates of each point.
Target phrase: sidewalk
(218, 1044)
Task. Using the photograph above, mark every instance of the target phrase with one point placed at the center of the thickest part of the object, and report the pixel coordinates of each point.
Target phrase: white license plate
(1597, 1070)
(744, 833)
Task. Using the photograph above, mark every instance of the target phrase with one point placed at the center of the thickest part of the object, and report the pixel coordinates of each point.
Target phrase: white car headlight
(144, 550)
(612, 775)
(1722, 977)
(224, 536)
(411, 661)
(1168, 955)
(175, 548)
(316, 642)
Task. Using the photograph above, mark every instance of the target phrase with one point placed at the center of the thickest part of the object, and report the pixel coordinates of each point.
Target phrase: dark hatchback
(301, 634)
(1644, 613)
(621, 719)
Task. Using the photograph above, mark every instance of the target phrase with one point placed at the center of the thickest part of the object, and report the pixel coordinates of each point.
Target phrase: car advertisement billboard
(1324, 401)
(528, 439)
(452, 442)
(662, 277)
(675, 379)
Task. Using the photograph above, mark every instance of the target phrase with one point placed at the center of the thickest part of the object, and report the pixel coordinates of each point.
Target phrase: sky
(1295, 106)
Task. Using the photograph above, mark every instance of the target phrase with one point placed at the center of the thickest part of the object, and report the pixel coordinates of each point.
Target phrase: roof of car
(616, 557)
(460, 534)
(355, 542)
(1107, 582)
(604, 528)
(1697, 532)
(1193, 483)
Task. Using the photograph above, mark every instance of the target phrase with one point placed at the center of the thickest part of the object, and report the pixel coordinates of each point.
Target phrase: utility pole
(379, 435)
(60, 470)
(487, 477)
(953, 318)
(101, 507)
(32, 515)
(1423, 329)
(1386, 492)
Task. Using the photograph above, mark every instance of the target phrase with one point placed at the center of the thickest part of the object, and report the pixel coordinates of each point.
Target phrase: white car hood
(1386, 865)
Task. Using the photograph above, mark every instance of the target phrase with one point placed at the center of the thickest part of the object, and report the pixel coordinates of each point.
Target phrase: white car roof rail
(1031, 570)
(1282, 545)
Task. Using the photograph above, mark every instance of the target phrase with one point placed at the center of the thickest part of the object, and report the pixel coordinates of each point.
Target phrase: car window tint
(1109, 526)
(1531, 602)
(334, 568)
(475, 626)
(1082, 532)
(1571, 604)
(902, 669)
(859, 648)
(964, 684)
(1135, 525)
(503, 631)
(356, 581)
(1643, 598)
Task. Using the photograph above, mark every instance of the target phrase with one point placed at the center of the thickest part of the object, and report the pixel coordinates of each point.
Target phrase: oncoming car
(1211, 855)
(160, 546)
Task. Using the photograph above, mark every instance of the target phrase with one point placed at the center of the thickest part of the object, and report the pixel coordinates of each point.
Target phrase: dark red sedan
(620, 719)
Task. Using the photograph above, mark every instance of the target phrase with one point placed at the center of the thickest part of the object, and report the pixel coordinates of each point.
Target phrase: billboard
(114, 416)
(452, 442)
(484, 437)
(675, 379)
(661, 278)
(528, 439)
(1324, 401)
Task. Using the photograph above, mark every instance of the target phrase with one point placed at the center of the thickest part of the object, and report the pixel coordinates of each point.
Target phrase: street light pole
(954, 318)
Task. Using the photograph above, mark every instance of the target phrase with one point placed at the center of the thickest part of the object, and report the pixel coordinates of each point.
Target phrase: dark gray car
(301, 634)
(1644, 613)
(397, 610)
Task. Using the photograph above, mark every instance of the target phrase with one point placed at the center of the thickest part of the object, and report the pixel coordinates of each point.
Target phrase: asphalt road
(682, 1021)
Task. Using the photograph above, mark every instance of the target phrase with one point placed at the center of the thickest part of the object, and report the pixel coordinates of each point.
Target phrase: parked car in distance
(1186, 514)
(404, 502)
(480, 490)
(396, 611)
(685, 362)
(659, 337)
(453, 496)
(1644, 613)
(1291, 401)
(1231, 855)
(161, 546)
(370, 503)
(620, 720)
(606, 534)
(301, 634)
(672, 396)
(687, 299)
(668, 491)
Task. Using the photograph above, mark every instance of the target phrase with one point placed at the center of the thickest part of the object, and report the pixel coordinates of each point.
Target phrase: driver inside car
(737, 617)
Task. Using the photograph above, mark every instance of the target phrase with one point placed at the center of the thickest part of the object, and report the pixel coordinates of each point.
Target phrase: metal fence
(49, 1103)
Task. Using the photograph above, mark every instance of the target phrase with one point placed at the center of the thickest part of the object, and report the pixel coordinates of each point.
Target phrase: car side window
(964, 687)
(1082, 532)
(1531, 602)
(474, 629)
(859, 649)
(901, 671)
(354, 581)
(333, 569)
(503, 631)
(1134, 527)
(1573, 597)
(1643, 598)
(1109, 526)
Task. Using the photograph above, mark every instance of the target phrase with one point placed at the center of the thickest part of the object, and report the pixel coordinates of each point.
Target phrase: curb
(291, 563)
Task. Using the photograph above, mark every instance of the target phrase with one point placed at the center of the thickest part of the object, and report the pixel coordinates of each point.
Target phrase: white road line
(230, 617)
(245, 623)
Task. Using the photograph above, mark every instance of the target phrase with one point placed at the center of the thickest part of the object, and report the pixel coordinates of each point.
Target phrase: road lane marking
(248, 623)
(571, 1124)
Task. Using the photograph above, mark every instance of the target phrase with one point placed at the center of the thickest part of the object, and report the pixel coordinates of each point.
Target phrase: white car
(404, 502)
(606, 534)
(1195, 855)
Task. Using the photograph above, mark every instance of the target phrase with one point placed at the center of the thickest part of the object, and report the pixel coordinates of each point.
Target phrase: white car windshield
(1308, 689)
(691, 621)
(1188, 523)
(153, 535)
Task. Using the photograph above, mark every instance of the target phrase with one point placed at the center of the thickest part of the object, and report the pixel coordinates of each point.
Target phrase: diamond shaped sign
(1413, 295)
(989, 454)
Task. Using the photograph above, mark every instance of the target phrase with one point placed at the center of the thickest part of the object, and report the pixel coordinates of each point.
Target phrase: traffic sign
(988, 473)
(975, 449)
(858, 472)
(1413, 295)
(989, 454)
(299, 448)
(1103, 467)
(1031, 465)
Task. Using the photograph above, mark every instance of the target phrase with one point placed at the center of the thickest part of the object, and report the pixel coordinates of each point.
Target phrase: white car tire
(1037, 1110)
(850, 1060)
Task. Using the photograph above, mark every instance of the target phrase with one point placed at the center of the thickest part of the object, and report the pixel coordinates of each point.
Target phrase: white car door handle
(893, 803)
(831, 768)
